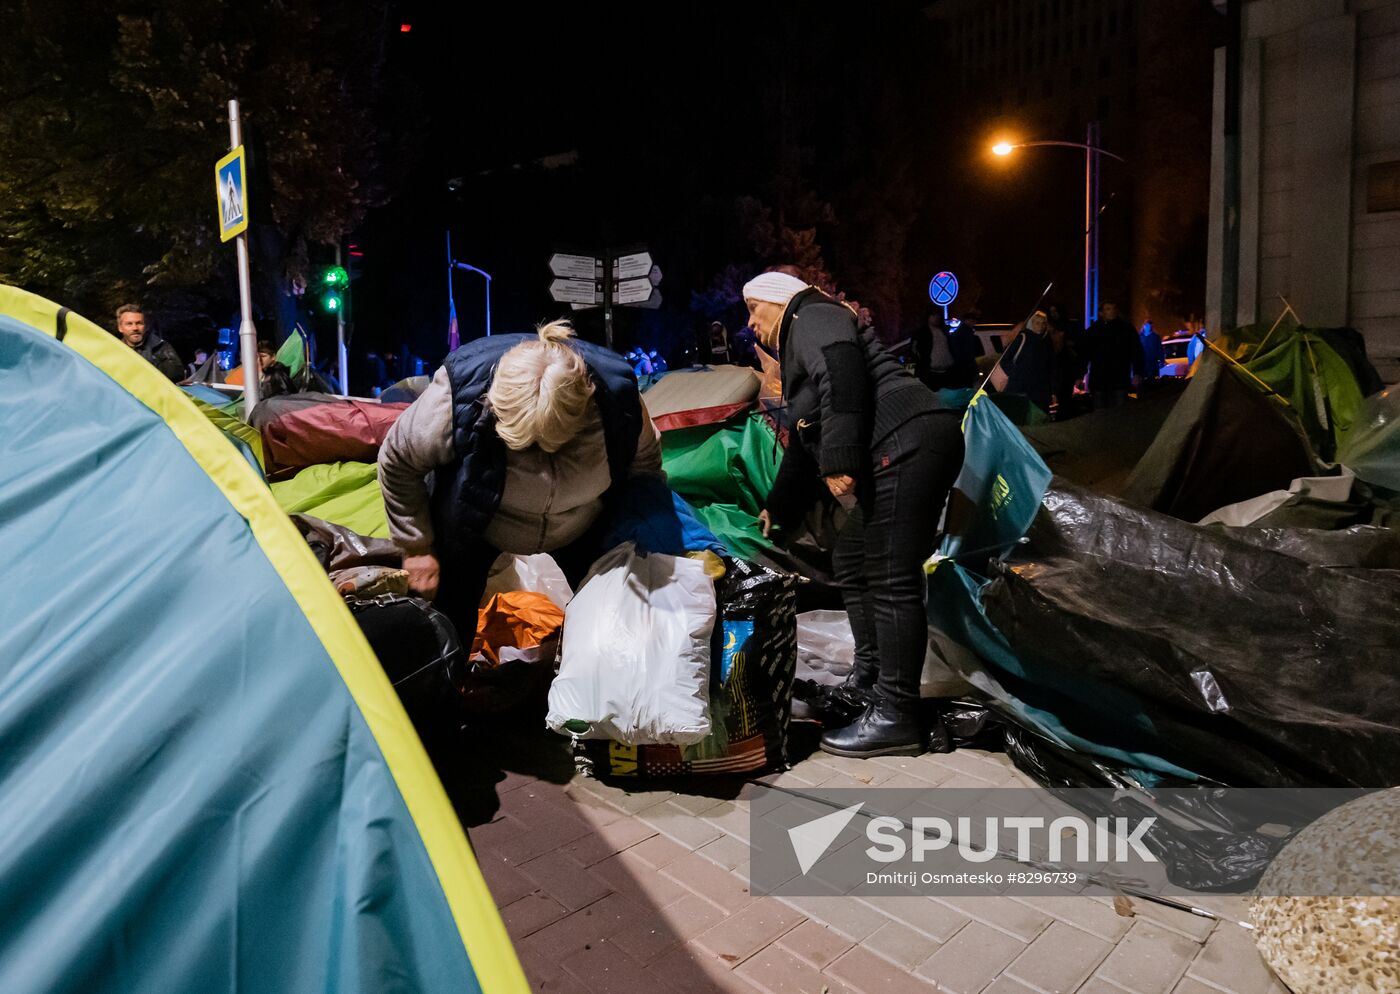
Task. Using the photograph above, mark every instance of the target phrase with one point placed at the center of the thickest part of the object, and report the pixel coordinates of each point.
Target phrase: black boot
(882, 730)
(858, 689)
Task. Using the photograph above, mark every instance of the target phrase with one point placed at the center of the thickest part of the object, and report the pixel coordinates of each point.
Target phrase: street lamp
(1092, 154)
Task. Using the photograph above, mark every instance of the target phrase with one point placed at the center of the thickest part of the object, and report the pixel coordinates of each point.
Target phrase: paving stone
(1149, 959)
(1097, 985)
(512, 781)
(727, 851)
(1059, 960)
(801, 775)
(853, 919)
(901, 945)
(863, 971)
(966, 781)
(605, 840)
(712, 882)
(1187, 986)
(1084, 913)
(1231, 962)
(731, 818)
(1017, 920)
(506, 883)
(1194, 927)
(592, 808)
(657, 851)
(562, 878)
(936, 920)
(861, 770)
(492, 835)
(968, 764)
(676, 823)
(604, 968)
(971, 959)
(697, 803)
(1006, 985)
(842, 781)
(573, 932)
(554, 833)
(815, 943)
(631, 875)
(633, 801)
(692, 970)
(667, 928)
(741, 935)
(544, 972)
(774, 970)
(530, 914)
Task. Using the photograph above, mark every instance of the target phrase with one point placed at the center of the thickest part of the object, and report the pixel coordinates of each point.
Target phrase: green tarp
(725, 471)
(343, 493)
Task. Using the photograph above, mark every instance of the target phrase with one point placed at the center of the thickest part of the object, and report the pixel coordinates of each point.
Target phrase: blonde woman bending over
(518, 445)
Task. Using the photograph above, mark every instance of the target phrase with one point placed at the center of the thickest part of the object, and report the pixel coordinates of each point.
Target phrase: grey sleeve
(648, 457)
(419, 442)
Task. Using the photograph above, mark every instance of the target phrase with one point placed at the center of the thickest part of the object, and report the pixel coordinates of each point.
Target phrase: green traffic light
(336, 276)
(331, 301)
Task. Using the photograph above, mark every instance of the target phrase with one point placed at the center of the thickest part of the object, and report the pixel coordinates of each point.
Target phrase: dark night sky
(670, 118)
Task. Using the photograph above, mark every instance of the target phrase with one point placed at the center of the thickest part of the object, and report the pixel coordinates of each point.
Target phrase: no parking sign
(943, 288)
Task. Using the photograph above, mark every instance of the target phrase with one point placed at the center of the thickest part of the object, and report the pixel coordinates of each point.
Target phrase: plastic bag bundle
(538, 573)
(513, 654)
(636, 652)
(753, 656)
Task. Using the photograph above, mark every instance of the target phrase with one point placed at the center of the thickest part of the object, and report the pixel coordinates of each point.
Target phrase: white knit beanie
(775, 288)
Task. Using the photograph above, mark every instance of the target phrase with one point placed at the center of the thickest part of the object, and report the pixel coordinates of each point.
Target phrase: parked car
(1175, 359)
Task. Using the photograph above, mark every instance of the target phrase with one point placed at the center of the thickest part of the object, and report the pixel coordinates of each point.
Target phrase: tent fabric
(272, 408)
(243, 803)
(1320, 374)
(343, 493)
(242, 437)
(695, 389)
(345, 431)
(725, 473)
(1225, 441)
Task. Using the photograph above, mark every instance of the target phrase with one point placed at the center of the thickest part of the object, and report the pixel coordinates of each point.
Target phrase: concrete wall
(1319, 104)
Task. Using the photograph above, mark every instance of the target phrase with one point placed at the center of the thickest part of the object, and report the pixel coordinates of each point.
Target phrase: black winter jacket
(844, 393)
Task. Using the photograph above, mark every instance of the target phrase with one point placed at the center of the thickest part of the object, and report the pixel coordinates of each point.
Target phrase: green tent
(343, 493)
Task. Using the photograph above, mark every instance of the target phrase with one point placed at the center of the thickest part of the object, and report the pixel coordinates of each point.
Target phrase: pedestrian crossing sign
(230, 184)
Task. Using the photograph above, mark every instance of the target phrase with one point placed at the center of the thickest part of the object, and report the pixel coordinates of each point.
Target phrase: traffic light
(334, 281)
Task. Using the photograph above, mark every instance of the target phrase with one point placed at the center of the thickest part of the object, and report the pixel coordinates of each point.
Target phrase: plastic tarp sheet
(209, 784)
(1372, 447)
(343, 493)
(725, 472)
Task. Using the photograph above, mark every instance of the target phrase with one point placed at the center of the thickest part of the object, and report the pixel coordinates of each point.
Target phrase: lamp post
(1092, 155)
(484, 273)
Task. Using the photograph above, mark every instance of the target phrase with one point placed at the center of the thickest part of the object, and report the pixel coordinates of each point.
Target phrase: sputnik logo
(812, 839)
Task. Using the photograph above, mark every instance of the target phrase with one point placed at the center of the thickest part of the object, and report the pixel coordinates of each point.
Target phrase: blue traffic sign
(231, 186)
(942, 289)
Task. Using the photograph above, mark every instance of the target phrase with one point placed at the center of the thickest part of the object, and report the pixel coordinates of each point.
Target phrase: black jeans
(879, 555)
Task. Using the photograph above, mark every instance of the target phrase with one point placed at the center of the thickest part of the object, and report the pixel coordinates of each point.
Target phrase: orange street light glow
(1002, 148)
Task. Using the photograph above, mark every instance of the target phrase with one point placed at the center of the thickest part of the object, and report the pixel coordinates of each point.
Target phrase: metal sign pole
(247, 333)
(342, 356)
(608, 298)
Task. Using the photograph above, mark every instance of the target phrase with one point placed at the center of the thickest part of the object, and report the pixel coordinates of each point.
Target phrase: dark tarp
(1253, 667)
(1225, 441)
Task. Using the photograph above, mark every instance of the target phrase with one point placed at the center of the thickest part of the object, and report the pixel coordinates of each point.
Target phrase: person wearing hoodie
(131, 329)
(865, 429)
(529, 440)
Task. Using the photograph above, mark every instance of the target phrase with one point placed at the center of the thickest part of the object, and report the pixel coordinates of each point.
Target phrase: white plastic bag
(635, 660)
(538, 574)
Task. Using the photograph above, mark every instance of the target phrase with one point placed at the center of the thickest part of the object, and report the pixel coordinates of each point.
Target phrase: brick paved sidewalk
(605, 890)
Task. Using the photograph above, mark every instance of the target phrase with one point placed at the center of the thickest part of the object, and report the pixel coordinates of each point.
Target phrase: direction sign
(231, 187)
(943, 288)
(628, 267)
(578, 267)
(652, 302)
(633, 291)
(655, 276)
(576, 291)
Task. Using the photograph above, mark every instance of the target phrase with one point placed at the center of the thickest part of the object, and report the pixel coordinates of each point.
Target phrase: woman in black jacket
(875, 436)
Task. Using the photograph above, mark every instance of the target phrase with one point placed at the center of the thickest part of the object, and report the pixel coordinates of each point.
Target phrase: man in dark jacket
(876, 438)
(131, 329)
(1115, 357)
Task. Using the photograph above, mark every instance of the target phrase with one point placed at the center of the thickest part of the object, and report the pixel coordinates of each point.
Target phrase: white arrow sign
(576, 291)
(578, 267)
(632, 291)
(628, 267)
